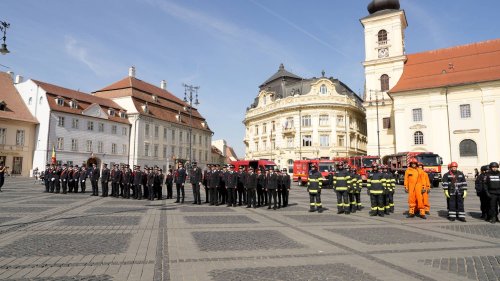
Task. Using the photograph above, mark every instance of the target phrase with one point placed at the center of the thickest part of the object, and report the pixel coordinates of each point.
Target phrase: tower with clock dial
(384, 29)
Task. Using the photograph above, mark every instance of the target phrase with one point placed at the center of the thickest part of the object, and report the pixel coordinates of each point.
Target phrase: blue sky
(228, 48)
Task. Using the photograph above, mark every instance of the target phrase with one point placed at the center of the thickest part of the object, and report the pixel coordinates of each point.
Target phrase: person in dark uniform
(482, 192)
(286, 182)
(241, 186)
(52, 178)
(145, 190)
(71, 171)
(356, 185)
(138, 183)
(161, 178)
(213, 185)
(314, 184)
(94, 179)
(46, 177)
(231, 183)
(122, 181)
(57, 176)
(169, 182)
(222, 186)
(280, 187)
(206, 176)
(2, 175)
(75, 176)
(151, 183)
(180, 179)
(455, 188)
(342, 185)
(376, 189)
(251, 186)
(492, 189)
(106, 174)
(260, 187)
(195, 178)
(64, 178)
(271, 187)
(83, 178)
(115, 181)
(127, 181)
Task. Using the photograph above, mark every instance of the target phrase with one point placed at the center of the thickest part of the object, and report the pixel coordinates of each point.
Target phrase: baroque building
(444, 101)
(295, 118)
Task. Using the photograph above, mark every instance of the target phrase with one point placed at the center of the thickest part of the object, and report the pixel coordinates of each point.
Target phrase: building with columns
(295, 118)
(164, 127)
(445, 101)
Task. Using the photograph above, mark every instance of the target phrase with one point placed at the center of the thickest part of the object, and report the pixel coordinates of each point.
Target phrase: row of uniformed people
(488, 191)
(347, 185)
(253, 188)
(124, 182)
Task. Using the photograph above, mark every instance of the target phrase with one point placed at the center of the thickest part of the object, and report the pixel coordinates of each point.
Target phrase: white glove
(53, 179)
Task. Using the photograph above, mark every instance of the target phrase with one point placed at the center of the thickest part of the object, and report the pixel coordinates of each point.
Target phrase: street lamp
(188, 98)
(376, 106)
(3, 27)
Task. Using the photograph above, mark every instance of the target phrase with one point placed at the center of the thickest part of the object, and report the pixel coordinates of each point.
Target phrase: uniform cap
(493, 165)
(194, 163)
(284, 169)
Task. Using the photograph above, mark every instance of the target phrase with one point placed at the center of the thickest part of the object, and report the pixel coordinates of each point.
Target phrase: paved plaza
(49, 237)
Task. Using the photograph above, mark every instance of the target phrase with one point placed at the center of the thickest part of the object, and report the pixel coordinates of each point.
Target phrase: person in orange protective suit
(426, 189)
(414, 184)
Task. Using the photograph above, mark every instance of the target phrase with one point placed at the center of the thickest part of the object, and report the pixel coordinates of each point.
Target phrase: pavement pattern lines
(485, 268)
(64, 245)
(219, 220)
(336, 272)
(252, 240)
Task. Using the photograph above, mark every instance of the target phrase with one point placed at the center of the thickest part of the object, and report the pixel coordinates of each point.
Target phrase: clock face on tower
(383, 53)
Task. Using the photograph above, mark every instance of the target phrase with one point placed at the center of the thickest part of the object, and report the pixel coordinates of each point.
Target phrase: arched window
(382, 37)
(384, 83)
(323, 89)
(468, 148)
(418, 138)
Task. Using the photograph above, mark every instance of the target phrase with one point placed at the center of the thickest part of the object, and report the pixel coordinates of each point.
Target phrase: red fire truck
(255, 164)
(399, 162)
(301, 169)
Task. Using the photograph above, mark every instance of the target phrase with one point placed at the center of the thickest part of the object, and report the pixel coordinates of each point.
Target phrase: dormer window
(111, 112)
(123, 115)
(145, 108)
(155, 98)
(73, 104)
(60, 101)
(323, 90)
(204, 124)
(3, 105)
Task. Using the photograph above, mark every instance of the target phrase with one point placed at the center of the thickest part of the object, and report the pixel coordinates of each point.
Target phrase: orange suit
(413, 185)
(425, 194)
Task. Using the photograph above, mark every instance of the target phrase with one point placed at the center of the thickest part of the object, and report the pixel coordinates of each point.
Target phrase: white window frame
(324, 120)
(324, 140)
(465, 111)
(307, 140)
(417, 115)
(20, 137)
(60, 143)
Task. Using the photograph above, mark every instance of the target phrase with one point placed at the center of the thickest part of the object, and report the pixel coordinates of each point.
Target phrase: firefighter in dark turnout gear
(314, 183)
(376, 185)
(390, 183)
(482, 192)
(455, 188)
(492, 184)
(342, 185)
(354, 192)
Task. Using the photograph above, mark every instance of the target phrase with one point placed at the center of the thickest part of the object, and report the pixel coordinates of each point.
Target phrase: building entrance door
(17, 165)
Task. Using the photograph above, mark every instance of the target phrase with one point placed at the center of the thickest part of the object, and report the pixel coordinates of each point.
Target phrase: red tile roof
(84, 100)
(166, 107)
(15, 109)
(466, 64)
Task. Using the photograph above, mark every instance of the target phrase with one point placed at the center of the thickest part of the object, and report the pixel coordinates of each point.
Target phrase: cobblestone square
(95, 238)
(219, 220)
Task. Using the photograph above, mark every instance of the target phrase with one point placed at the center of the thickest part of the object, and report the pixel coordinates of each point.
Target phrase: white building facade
(161, 124)
(294, 118)
(443, 101)
(78, 125)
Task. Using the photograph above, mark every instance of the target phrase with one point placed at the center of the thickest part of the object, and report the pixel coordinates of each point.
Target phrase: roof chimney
(163, 84)
(11, 74)
(19, 79)
(131, 71)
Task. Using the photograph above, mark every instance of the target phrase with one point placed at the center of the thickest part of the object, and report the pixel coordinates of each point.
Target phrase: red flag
(54, 161)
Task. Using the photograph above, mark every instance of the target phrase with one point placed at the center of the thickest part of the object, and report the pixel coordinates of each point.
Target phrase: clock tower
(384, 29)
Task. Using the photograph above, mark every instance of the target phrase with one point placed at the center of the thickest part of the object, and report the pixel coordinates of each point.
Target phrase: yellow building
(17, 129)
(295, 118)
